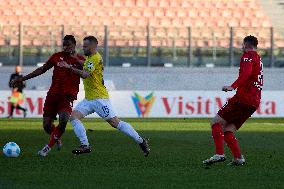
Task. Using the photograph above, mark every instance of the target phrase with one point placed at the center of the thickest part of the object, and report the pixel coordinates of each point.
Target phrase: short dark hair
(92, 39)
(70, 38)
(251, 40)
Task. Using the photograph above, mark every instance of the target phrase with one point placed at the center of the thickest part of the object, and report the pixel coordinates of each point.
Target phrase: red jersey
(250, 81)
(63, 80)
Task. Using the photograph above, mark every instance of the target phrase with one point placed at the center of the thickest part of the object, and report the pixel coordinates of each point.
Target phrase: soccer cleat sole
(78, 152)
(236, 164)
(212, 162)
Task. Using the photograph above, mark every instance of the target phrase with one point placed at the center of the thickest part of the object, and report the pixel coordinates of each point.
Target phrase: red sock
(218, 136)
(52, 128)
(55, 134)
(232, 143)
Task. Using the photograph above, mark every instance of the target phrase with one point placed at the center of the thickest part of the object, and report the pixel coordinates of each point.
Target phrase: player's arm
(245, 72)
(33, 74)
(82, 73)
(10, 81)
(36, 72)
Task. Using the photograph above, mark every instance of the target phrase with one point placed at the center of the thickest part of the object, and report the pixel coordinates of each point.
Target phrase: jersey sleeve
(245, 71)
(50, 62)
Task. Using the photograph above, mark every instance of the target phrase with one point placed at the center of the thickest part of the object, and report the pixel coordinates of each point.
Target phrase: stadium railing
(143, 46)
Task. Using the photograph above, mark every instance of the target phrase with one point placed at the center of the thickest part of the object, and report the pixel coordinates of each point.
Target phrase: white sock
(127, 129)
(80, 131)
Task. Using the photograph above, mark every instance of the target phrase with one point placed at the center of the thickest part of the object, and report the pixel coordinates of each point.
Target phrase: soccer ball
(11, 149)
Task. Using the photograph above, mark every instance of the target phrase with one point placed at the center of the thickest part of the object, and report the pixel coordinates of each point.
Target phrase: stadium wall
(143, 78)
(164, 104)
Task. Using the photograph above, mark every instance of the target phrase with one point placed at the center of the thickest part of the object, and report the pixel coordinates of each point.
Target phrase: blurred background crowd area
(193, 33)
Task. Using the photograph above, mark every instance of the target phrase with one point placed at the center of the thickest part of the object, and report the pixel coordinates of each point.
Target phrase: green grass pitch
(178, 147)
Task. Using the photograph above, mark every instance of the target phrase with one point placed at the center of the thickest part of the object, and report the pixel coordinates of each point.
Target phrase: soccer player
(62, 92)
(97, 99)
(241, 106)
(17, 96)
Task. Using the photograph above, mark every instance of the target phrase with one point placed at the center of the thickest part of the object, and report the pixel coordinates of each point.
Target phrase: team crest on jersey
(90, 65)
(247, 59)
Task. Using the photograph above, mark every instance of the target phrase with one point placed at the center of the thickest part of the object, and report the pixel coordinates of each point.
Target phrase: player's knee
(113, 122)
(47, 128)
(218, 120)
(64, 117)
(72, 117)
(230, 128)
(76, 115)
(62, 127)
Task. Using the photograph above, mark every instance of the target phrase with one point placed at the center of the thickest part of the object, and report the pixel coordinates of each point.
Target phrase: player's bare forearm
(35, 73)
(82, 73)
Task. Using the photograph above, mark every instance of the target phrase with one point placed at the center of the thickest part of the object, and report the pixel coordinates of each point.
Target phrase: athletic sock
(127, 129)
(232, 143)
(218, 137)
(56, 134)
(52, 128)
(80, 131)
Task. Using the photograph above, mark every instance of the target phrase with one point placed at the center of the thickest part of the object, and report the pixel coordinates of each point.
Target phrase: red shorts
(55, 103)
(234, 112)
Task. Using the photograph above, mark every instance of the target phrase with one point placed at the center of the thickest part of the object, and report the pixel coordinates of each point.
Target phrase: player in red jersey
(62, 92)
(241, 106)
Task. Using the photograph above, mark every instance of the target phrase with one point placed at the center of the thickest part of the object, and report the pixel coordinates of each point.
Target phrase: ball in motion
(11, 149)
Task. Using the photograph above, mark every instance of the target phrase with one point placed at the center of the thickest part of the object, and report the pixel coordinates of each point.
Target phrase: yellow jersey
(94, 83)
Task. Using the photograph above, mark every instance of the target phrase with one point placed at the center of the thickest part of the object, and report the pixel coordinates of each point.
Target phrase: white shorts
(101, 106)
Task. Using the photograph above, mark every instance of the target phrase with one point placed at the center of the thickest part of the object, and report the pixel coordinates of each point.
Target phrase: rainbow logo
(143, 105)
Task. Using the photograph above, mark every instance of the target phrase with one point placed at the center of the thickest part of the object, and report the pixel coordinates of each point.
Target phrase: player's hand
(227, 88)
(63, 64)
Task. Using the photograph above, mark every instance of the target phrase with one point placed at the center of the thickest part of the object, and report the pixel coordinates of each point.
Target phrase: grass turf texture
(178, 147)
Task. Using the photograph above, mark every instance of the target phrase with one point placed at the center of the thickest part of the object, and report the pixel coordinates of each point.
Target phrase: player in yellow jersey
(97, 99)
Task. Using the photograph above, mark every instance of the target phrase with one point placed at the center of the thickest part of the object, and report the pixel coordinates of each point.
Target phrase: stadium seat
(131, 13)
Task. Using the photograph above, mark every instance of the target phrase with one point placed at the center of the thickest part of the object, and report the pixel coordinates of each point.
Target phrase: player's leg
(48, 124)
(128, 130)
(48, 127)
(218, 134)
(55, 137)
(64, 109)
(12, 107)
(125, 128)
(104, 109)
(217, 124)
(233, 145)
(78, 127)
(223, 117)
(81, 110)
(242, 113)
(49, 113)
(23, 109)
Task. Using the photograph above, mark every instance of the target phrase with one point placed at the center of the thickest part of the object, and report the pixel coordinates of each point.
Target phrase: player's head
(250, 42)
(69, 44)
(18, 69)
(90, 45)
